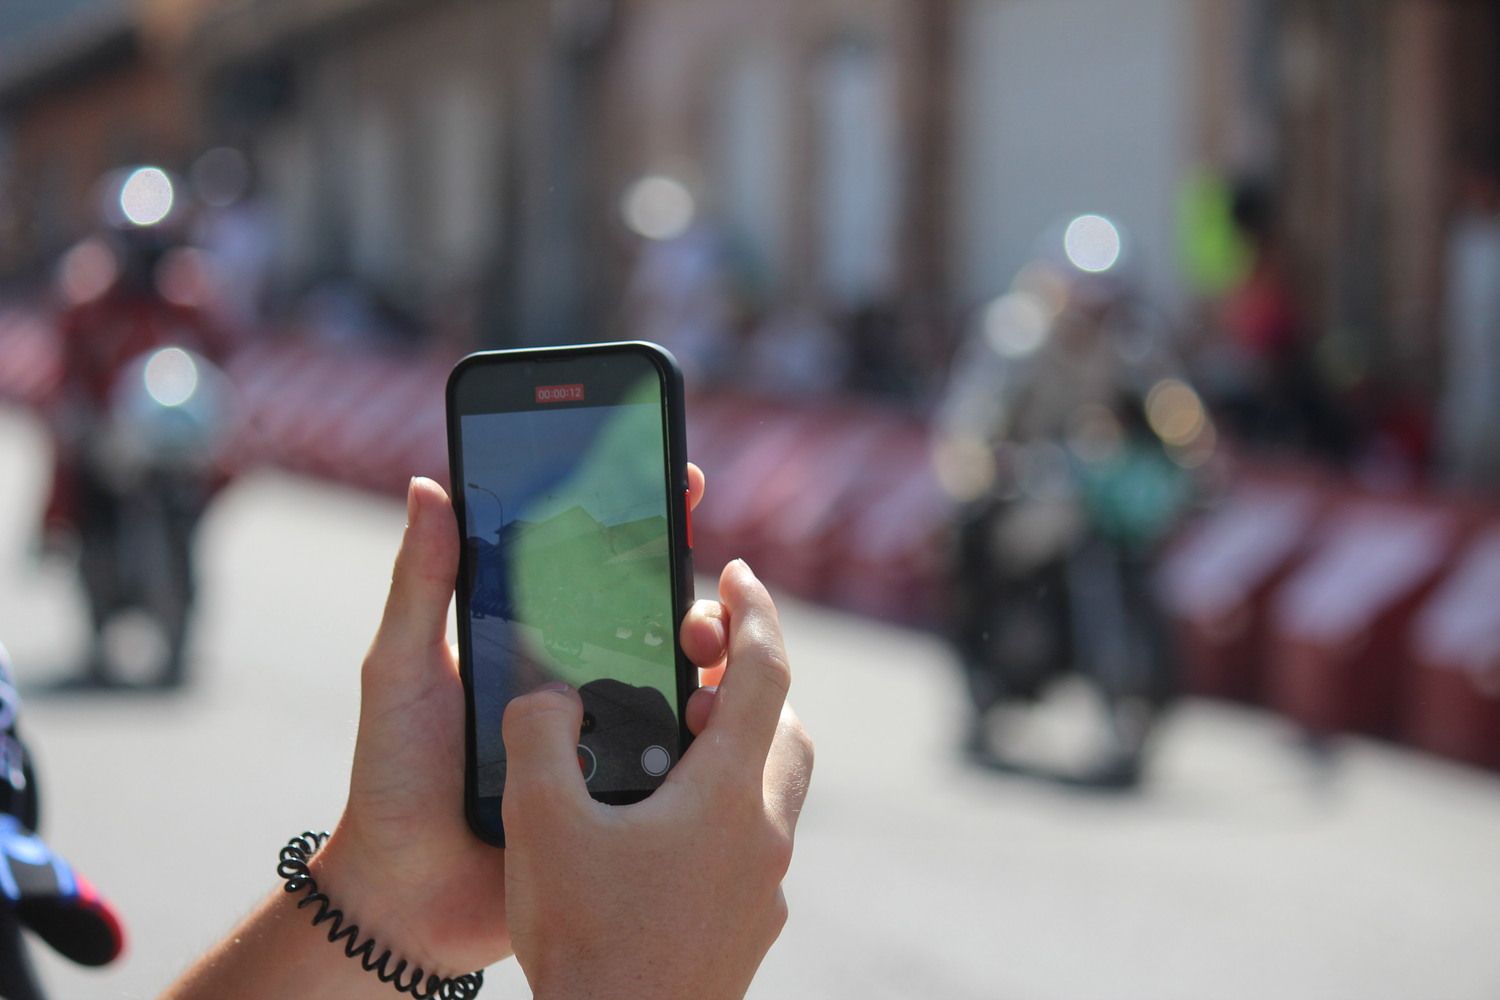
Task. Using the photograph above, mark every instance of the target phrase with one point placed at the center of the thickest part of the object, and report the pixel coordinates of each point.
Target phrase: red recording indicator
(559, 393)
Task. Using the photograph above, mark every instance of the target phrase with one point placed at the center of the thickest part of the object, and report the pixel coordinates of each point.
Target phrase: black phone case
(677, 519)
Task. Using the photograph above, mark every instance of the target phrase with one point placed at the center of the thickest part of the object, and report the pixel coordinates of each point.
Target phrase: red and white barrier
(1340, 610)
(1453, 700)
(1218, 578)
(1339, 623)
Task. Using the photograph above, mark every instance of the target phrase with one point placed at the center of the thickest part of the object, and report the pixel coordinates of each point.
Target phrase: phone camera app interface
(569, 575)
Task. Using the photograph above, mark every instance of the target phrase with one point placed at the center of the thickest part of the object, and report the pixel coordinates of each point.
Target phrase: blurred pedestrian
(1469, 411)
(1266, 384)
(684, 294)
(796, 353)
(236, 230)
(880, 363)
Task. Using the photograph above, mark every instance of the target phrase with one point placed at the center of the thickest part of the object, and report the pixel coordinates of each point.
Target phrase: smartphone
(569, 473)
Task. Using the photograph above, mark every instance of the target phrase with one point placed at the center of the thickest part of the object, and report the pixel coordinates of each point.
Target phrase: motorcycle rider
(127, 291)
(1063, 435)
(39, 891)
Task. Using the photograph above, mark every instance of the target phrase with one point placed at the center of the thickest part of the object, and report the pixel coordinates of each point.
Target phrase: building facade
(1363, 115)
(470, 158)
(79, 95)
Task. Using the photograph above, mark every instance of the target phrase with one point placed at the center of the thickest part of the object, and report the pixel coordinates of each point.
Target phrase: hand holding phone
(571, 495)
(402, 859)
(677, 896)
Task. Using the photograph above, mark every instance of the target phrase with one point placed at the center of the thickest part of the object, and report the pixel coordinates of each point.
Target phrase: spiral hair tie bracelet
(413, 980)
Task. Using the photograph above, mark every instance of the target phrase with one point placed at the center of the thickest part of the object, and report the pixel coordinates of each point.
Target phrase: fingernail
(411, 501)
(558, 687)
(745, 566)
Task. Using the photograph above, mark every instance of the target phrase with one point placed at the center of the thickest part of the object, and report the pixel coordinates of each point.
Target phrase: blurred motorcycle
(148, 473)
(1069, 438)
(142, 418)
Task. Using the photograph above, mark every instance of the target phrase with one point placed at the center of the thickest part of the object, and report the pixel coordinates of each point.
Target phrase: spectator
(1469, 411)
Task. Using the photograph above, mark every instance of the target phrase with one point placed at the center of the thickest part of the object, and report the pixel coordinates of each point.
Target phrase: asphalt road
(1244, 871)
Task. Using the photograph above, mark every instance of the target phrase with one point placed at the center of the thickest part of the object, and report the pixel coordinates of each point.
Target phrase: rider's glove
(46, 894)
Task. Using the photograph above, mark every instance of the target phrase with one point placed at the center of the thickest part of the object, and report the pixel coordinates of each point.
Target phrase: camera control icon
(655, 760)
(587, 763)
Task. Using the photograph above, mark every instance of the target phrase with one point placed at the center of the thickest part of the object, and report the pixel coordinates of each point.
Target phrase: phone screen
(569, 570)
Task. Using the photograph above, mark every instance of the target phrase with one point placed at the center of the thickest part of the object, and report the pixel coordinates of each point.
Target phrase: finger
(416, 611)
(540, 731)
(789, 768)
(705, 634)
(757, 676)
(696, 485)
(700, 706)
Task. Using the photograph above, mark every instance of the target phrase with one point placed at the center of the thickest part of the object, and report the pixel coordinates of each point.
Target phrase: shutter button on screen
(587, 763)
(655, 761)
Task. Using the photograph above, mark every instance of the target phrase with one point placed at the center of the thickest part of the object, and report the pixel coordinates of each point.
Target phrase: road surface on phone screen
(563, 496)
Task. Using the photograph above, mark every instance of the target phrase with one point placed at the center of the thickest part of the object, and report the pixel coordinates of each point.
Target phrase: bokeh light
(1093, 244)
(87, 271)
(659, 207)
(1175, 412)
(965, 467)
(171, 376)
(146, 197)
(1016, 324)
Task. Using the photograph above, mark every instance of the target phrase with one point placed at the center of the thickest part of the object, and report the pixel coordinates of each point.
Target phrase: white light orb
(146, 196)
(659, 208)
(171, 376)
(1093, 244)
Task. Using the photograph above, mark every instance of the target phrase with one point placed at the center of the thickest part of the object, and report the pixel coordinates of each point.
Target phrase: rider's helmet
(140, 218)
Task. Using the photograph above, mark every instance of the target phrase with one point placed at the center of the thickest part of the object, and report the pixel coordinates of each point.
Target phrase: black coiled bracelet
(414, 980)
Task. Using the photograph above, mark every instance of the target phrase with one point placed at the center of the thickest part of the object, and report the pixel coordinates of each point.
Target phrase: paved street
(1244, 872)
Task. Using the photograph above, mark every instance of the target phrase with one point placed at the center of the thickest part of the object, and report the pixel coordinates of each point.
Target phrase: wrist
(346, 903)
(355, 885)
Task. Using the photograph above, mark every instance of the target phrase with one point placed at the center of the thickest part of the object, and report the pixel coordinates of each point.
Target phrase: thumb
(416, 612)
(542, 774)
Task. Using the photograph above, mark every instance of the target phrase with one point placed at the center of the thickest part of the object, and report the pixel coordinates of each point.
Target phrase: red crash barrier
(1338, 625)
(1454, 703)
(808, 541)
(372, 422)
(747, 457)
(887, 558)
(832, 501)
(1218, 578)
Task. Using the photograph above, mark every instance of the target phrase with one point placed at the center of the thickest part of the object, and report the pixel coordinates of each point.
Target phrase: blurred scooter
(1068, 436)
